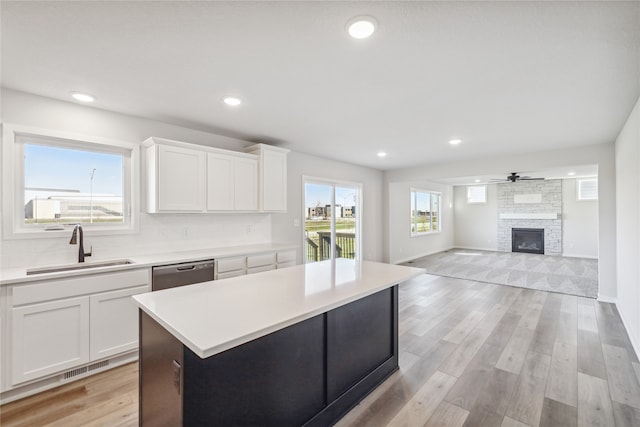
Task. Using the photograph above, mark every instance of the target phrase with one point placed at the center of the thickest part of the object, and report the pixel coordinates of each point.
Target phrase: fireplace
(529, 240)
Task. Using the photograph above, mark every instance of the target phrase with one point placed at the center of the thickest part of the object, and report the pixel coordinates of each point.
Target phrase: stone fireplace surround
(531, 204)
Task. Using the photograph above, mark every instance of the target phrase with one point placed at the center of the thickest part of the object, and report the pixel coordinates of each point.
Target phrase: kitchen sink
(79, 266)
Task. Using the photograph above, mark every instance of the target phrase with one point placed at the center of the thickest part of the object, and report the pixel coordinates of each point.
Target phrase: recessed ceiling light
(82, 97)
(361, 27)
(477, 180)
(571, 173)
(455, 141)
(382, 154)
(232, 100)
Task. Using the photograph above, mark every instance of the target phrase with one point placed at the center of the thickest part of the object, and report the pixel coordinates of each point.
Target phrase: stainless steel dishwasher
(186, 273)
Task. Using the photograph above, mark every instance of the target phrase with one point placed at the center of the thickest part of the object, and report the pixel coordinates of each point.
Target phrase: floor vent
(75, 372)
(99, 365)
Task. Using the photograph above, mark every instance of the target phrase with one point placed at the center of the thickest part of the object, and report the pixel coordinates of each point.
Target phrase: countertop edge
(19, 275)
(412, 272)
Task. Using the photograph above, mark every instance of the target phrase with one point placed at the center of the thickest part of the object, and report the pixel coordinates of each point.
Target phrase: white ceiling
(505, 77)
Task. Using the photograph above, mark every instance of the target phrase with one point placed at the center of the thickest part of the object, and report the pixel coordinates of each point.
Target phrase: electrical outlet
(296, 222)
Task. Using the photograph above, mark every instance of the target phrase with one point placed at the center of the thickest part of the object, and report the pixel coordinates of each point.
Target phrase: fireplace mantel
(538, 215)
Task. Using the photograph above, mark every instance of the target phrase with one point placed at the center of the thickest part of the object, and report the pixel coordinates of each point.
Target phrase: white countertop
(19, 275)
(212, 317)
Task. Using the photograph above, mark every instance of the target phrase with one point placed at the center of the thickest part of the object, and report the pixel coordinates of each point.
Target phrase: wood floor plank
(467, 350)
(528, 398)
(462, 329)
(545, 333)
(590, 359)
(594, 404)
(504, 330)
(562, 384)
(555, 414)
(510, 422)
(479, 418)
(612, 329)
(587, 318)
(448, 415)
(497, 392)
(515, 352)
(636, 368)
(567, 331)
(624, 388)
(569, 304)
(625, 415)
(465, 391)
(424, 403)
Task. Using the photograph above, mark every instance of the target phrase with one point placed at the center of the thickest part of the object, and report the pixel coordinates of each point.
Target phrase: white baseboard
(614, 300)
(579, 256)
(605, 298)
(634, 342)
(400, 261)
(476, 248)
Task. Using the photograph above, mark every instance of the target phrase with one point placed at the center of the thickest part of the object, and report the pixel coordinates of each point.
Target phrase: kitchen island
(296, 346)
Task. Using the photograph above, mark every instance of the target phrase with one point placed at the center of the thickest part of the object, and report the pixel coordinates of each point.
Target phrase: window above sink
(52, 180)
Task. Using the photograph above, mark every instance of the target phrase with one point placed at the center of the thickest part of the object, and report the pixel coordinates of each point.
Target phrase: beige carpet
(574, 276)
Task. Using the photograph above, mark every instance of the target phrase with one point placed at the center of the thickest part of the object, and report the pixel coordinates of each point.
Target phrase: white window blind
(588, 189)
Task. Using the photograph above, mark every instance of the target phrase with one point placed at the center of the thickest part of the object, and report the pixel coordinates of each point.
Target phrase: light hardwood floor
(472, 354)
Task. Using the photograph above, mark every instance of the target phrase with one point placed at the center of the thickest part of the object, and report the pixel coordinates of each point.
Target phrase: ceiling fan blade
(531, 179)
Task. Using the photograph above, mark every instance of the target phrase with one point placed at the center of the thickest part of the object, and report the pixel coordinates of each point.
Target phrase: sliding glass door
(332, 220)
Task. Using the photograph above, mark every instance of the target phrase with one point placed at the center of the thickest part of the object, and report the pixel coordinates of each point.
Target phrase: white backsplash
(162, 233)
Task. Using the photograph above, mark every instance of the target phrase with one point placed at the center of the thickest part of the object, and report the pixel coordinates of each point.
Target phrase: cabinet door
(220, 177)
(181, 179)
(246, 184)
(49, 337)
(274, 181)
(114, 322)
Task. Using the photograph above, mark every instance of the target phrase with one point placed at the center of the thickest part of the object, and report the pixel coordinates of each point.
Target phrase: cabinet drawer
(286, 264)
(81, 285)
(286, 256)
(260, 269)
(230, 264)
(230, 274)
(261, 260)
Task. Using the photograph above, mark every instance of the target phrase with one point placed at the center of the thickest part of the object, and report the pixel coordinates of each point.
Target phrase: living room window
(477, 194)
(587, 188)
(425, 212)
(60, 180)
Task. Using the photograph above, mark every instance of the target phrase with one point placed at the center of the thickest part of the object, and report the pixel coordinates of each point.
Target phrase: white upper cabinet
(176, 178)
(232, 182)
(184, 177)
(273, 177)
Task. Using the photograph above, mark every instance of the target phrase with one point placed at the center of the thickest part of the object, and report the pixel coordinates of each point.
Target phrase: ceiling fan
(515, 177)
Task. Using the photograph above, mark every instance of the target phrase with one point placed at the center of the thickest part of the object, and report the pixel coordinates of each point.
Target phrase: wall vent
(98, 365)
(74, 373)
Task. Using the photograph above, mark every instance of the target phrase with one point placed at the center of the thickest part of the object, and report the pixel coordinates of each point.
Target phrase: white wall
(579, 223)
(299, 165)
(476, 224)
(627, 151)
(402, 246)
(601, 155)
(158, 233)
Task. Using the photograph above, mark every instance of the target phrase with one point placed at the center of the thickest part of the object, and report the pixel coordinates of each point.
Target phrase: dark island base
(311, 373)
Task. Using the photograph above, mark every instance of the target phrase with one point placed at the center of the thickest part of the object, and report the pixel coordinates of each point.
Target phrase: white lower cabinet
(49, 337)
(60, 325)
(114, 322)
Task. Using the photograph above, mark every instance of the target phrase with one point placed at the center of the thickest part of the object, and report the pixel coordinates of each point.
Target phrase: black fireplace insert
(528, 240)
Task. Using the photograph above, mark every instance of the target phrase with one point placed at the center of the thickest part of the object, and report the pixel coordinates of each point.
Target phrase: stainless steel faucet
(78, 237)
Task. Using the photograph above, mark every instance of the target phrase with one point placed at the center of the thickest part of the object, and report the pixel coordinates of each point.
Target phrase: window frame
(469, 202)
(306, 179)
(439, 212)
(13, 190)
(579, 182)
